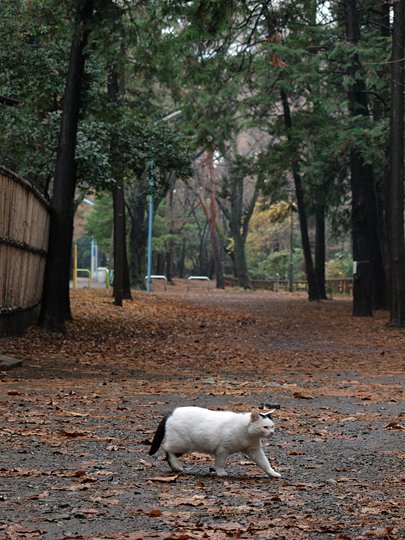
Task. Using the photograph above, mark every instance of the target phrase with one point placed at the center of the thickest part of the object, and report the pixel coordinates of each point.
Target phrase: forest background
(241, 112)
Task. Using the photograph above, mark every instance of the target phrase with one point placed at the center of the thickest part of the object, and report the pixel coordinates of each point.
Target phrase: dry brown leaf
(395, 425)
(165, 479)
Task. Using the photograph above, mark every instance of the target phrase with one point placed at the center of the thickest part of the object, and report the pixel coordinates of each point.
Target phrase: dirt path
(77, 418)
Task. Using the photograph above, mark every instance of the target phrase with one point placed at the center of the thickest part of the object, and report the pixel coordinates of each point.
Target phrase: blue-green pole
(150, 217)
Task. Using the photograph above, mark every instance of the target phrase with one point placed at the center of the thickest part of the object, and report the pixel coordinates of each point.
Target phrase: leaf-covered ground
(77, 419)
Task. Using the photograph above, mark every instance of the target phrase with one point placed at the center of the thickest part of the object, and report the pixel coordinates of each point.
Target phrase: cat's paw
(177, 468)
(221, 473)
(274, 474)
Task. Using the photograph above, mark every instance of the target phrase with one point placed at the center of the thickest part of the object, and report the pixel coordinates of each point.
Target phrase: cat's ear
(268, 406)
(255, 416)
(267, 414)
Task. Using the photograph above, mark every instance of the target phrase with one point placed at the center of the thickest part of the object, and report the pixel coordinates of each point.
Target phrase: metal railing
(164, 278)
(198, 278)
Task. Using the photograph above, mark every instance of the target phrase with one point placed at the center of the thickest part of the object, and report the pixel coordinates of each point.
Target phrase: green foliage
(83, 252)
(224, 64)
(269, 243)
(340, 266)
(92, 157)
(34, 66)
(99, 225)
(33, 57)
(161, 233)
(276, 265)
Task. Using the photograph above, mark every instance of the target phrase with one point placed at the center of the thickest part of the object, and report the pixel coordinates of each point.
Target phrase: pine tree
(395, 188)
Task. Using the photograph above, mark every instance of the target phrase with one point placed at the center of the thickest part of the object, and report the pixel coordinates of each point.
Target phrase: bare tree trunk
(55, 307)
(313, 291)
(170, 247)
(211, 214)
(395, 210)
(235, 226)
(320, 250)
(137, 237)
(238, 218)
(122, 288)
(119, 241)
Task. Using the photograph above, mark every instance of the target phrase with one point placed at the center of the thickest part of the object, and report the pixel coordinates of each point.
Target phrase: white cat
(219, 433)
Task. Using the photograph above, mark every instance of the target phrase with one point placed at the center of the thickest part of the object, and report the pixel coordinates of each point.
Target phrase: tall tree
(55, 307)
(395, 188)
(313, 290)
(320, 256)
(121, 273)
(170, 152)
(369, 270)
(137, 212)
(240, 189)
(284, 78)
(211, 213)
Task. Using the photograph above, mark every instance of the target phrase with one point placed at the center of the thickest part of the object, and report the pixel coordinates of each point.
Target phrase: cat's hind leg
(220, 459)
(258, 456)
(174, 462)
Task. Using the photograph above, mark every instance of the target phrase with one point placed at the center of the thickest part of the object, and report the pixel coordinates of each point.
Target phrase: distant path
(325, 331)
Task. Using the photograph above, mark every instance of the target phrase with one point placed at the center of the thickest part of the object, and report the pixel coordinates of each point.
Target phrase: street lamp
(150, 212)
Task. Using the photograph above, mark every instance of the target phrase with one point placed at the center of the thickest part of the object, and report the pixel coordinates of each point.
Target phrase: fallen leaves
(19, 532)
(70, 488)
(78, 417)
(169, 479)
(300, 395)
(395, 425)
(194, 500)
(73, 434)
(21, 472)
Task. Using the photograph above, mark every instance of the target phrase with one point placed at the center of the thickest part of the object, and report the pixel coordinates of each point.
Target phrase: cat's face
(261, 425)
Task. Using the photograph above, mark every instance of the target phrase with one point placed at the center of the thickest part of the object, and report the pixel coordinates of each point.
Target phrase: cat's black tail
(159, 435)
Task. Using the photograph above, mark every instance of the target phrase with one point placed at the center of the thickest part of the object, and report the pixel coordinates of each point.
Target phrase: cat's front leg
(258, 456)
(220, 459)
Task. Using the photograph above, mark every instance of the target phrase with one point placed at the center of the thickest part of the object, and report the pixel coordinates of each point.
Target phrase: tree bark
(119, 241)
(239, 225)
(369, 276)
(383, 18)
(381, 110)
(170, 248)
(239, 259)
(235, 226)
(313, 291)
(55, 307)
(320, 254)
(211, 214)
(395, 189)
(122, 288)
(137, 238)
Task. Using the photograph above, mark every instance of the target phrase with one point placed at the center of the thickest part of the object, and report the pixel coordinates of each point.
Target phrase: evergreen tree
(55, 306)
(369, 270)
(395, 188)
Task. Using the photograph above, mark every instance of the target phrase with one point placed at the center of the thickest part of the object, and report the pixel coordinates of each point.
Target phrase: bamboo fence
(24, 228)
